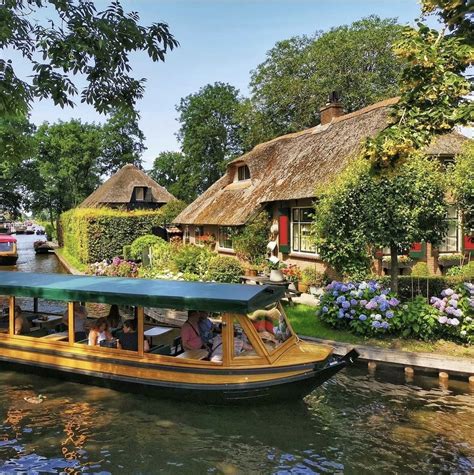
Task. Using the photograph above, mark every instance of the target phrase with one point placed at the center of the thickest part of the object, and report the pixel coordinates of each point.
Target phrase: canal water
(354, 424)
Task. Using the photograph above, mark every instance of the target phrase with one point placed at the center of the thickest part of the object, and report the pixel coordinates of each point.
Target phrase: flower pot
(302, 287)
(449, 262)
(252, 272)
(276, 275)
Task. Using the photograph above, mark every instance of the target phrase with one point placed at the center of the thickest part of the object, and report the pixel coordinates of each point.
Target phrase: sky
(220, 40)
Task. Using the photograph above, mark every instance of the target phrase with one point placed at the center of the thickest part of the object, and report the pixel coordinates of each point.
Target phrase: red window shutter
(468, 243)
(417, 250)
(284, 230)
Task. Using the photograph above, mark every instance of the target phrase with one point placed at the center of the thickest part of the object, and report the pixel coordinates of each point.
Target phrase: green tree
(66, 166)
(209, 132)
(406, 203)
(94, 44)
(171, 170)
(122, 142)
(295, 80)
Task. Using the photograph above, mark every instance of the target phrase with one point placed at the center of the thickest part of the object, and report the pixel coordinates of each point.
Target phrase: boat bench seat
(161, 350)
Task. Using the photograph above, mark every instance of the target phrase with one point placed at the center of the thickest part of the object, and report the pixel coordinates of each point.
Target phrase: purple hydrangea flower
(325, 309)
(346, 305)
(389, 314)
(393, 302)
(442, 320)
(376, 324)
(362, 317)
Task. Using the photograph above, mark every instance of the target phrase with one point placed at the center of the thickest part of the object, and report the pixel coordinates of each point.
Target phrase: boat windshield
(272, 327)
(6, 246)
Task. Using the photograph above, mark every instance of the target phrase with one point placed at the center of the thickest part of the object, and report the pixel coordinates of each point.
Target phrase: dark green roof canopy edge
(213, 297)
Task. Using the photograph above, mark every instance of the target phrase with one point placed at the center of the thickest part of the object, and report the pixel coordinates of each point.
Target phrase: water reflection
(355, 424)
(28, 261)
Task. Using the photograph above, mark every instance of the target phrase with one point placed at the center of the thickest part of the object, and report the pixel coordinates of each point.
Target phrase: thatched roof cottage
(130, 188)
(281, 176)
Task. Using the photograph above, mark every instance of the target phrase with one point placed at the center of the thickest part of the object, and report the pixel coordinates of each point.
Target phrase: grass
(71, 260)
(305, 323)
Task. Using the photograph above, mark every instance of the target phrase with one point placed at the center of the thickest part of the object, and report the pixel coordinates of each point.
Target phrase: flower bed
(117, 267)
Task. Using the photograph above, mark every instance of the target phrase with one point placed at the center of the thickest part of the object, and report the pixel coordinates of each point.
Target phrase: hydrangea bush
(366, 308)
(456, 312)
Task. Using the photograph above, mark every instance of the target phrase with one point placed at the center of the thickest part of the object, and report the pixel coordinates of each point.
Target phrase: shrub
(451, 257)
(311, 276)
(142, 243)
(465, 272)
(417, 319)
(126, 252)
(50, 232)
(116, 268)
(366, 308)
(420, 269)
(250, 242)
(91, 235)
(455, 310)
(224, 269)
(192, 259)
(162, 255)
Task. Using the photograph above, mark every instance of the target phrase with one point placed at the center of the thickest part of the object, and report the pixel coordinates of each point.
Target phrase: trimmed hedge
(92, 235)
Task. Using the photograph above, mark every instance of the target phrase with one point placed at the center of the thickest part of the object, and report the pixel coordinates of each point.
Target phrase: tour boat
(8, 250)
(275, 364)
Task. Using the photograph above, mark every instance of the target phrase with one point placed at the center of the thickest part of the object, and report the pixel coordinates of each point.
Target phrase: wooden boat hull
(210, 385)
(8, 260)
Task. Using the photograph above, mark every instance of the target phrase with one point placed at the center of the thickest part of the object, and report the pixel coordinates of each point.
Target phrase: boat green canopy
(213, 297)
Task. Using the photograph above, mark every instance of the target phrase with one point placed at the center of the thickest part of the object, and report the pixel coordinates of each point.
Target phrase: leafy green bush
(465, 272)
(192, 259)
(311, 276)
(91, 235)
(50, 232)
(224, 269)
(250, 242)
(143, 242)
(162, 256)
(420, 269)
(126, 252)
(417, 319)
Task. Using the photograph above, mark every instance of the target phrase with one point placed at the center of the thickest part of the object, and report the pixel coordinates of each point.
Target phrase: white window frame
(294, 251)
(237, 173)
(219, 231)
(456, 219)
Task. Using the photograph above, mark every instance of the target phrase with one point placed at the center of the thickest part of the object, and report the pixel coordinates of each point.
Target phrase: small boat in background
(30, 229)
(20, 228)
(44, 247)
(8, 250)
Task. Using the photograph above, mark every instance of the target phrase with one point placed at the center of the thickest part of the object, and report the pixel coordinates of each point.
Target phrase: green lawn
(305, 323)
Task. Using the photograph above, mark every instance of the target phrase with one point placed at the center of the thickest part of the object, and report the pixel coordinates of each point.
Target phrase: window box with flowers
(450, 260)
(404, 262)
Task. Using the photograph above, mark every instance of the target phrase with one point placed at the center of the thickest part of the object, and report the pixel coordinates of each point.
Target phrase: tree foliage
(80, 40)
(462, 185)
(122, 142)
(295, 80)
(171, 170)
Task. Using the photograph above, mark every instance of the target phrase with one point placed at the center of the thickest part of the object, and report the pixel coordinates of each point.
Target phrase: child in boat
(190, 336)
(114, 318)
(99, 332)
(128, 338)
(22, 325)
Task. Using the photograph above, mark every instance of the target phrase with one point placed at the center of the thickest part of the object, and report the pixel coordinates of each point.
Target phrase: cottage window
(243, 173)
(225, 237)
(450, 242)
(198, 232)
(301, 230)
(186, 235)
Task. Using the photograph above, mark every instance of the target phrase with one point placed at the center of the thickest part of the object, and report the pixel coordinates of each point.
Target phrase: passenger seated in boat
(22, 325)
(80, 318)
(99, 332)
(114, 319)
(239, 345)
(190, 336)
(128, 337)
(206, 328)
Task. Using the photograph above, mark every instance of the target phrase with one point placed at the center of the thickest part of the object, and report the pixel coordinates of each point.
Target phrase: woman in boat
(114, 319)
(99, 332)
(22, 325)
(190, 336)
(128, 339)
(80, 318)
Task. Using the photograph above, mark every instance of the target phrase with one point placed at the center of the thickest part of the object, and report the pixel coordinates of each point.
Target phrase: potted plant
(292, 273)
(449, 260)
(312, 279)
(275, 266)
(403, 262)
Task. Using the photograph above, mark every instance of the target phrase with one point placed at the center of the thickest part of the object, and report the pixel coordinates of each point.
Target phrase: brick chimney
(332, 109)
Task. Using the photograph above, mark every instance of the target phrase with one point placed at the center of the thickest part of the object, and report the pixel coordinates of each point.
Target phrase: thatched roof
(118, 189)
(290, 167)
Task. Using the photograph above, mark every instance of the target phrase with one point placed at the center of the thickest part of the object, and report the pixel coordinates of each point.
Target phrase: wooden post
(70, 322)
(140, 330)
(11, 315)
(35, 304)
(227, 339)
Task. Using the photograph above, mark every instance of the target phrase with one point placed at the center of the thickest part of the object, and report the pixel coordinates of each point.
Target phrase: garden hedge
(92, 235)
